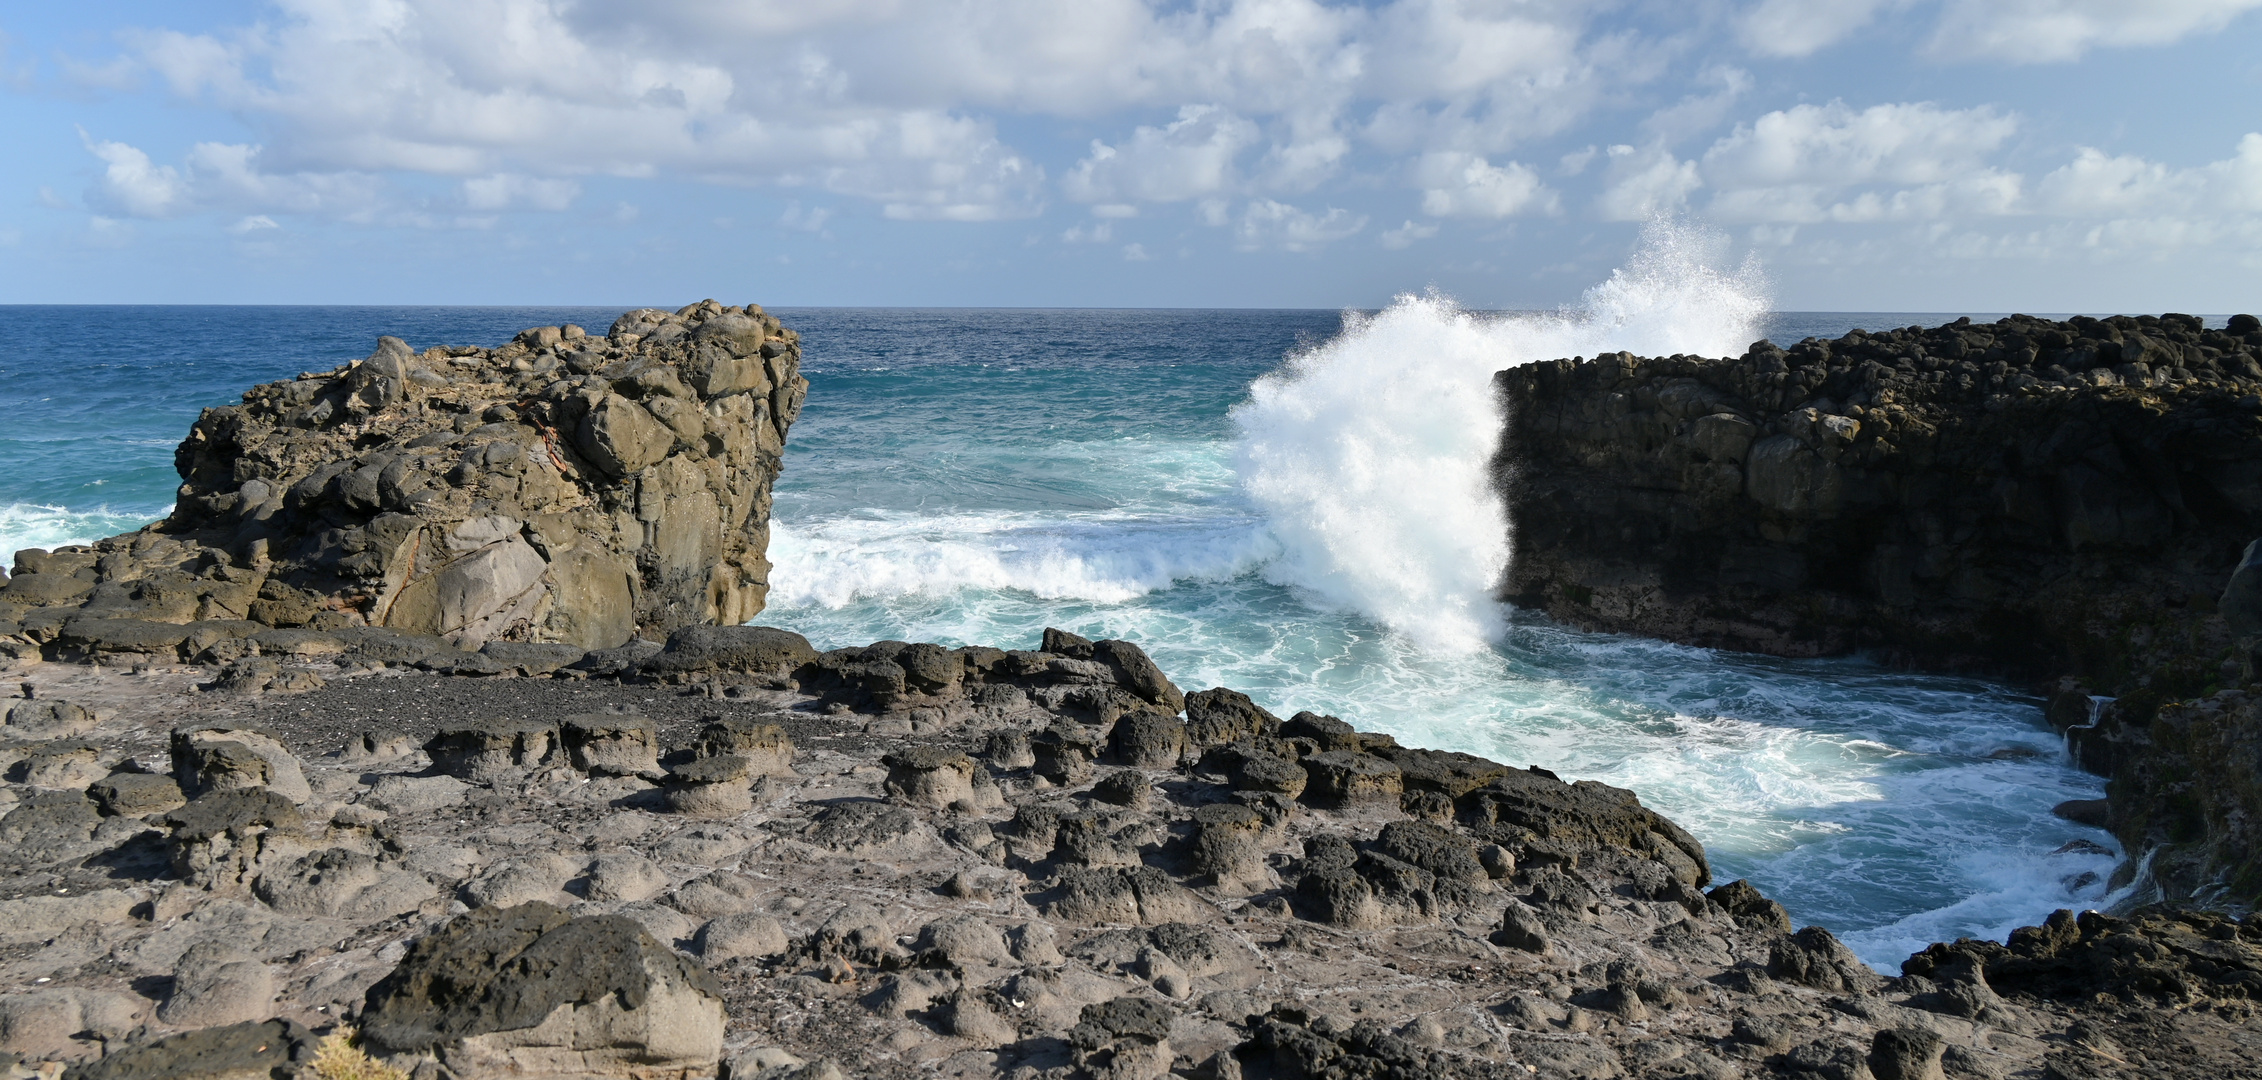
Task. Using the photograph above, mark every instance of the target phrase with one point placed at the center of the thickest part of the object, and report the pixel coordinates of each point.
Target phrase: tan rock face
(558, 488)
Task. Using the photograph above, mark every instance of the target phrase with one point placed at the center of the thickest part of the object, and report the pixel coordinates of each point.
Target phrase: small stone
(612, 744)
(485, 750)
(1128, 788)
(624, 876)
(1344, 780)
(129, 794)
(215, 985)
(739, 935)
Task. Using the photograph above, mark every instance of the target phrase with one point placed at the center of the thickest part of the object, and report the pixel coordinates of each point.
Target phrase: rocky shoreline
(371, 762)
(2059, 502)
(738, 856)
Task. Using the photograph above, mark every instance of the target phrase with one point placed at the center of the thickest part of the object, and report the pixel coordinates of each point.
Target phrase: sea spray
(35, 525)
(1370, 454)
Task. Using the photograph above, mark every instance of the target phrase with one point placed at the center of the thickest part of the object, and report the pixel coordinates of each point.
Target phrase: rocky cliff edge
(2057, 501)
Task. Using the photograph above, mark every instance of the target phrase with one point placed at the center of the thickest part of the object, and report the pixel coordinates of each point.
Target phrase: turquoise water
(1277, 501)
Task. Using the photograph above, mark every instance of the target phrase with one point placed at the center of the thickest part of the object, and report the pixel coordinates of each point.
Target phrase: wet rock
(527, 989)
(485, 750)
(612, 744)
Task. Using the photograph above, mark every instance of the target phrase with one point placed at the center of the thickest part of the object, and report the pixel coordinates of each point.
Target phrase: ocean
(1289, 503)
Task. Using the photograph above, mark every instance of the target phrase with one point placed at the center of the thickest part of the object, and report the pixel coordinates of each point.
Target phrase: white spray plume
(1370, 454)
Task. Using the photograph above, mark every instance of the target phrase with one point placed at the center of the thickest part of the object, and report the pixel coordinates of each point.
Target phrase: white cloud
(1464, 185)
(891, 101)
(1405, 236)
(220, 177)
(1189, 158)
(1266, 223)
(1802, 27)
(509, 191)
(1136, 253)
(1097, 233)
(131, 184)
(1645, 182)
(810, 220)
(254, 223)
(1918, 143)
(2044, 31)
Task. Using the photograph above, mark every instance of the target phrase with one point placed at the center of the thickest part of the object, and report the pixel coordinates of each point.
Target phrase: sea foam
(1370, 454)
(36, 525)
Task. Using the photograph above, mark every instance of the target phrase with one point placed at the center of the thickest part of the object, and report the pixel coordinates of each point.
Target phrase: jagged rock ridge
(562, 487)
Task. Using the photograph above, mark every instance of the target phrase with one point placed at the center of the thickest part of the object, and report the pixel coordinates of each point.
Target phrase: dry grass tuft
(337, 1058)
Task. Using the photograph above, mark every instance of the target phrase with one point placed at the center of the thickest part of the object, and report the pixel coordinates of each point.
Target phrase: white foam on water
(1371, 454)
(35, 525)
(1102, 558)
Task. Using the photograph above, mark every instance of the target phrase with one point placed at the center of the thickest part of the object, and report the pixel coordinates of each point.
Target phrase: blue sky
(1917, 155)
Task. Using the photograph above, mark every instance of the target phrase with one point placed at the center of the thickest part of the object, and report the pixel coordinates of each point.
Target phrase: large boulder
(527, 989)
(559, 488)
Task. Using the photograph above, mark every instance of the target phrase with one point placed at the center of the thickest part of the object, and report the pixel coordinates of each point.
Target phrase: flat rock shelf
(737, 856)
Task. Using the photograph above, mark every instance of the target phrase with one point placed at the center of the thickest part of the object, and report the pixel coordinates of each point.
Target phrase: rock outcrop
(562, 487)
(740, 856)
(2027, 497)
(2033, 499)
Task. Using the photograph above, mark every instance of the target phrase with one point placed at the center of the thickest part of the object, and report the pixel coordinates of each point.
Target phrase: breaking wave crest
(1370, 454)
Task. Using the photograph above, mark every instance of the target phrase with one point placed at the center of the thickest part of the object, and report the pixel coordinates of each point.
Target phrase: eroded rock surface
(782, 862)
(563, 489)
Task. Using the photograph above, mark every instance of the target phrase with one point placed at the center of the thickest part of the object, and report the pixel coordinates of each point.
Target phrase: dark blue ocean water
(1277, 501)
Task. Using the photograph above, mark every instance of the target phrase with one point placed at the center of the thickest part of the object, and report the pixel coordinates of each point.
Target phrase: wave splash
(1369, 455)
(1106, 559)
(36, 525)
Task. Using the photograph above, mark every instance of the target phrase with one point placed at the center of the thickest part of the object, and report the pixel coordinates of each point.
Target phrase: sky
(1871, 155)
